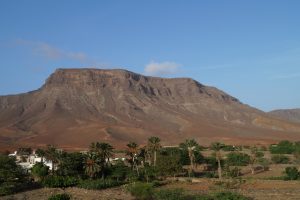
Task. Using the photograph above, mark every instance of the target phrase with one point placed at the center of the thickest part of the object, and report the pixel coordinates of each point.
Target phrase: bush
(264, 163)
(169, 194)
(98, 184)
(141, 191)
(292, 173)
(146, 191)
(283, 147)
(229, 196)
(59, 181)
(229, 148)
(238, 159)
(280, 159)
(59, 197)
(234, 172)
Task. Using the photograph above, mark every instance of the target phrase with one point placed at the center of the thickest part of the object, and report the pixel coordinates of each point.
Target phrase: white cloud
(51, 52)
(163, 68)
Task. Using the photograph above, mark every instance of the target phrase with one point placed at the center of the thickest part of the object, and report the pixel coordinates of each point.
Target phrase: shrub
(229, 148)
(98, 184)
(63, 196)
(264, 163)
(280, 159)
(229, 196)
(59, 181)
(238, 159)
(234, 172)
(283, 147)
(169, 194)
(141, 191)
(292, 173)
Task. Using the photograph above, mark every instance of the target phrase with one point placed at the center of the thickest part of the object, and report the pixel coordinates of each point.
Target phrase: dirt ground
(257, 189)
(76, 193)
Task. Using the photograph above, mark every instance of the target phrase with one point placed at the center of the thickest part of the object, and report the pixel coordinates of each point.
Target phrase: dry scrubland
(257, 189)
(266, 184)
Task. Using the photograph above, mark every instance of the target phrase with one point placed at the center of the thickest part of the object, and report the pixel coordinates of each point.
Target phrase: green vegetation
(98, 184)
(141, 191)
(291, 173)
(59, 181)
(39, 171)
(145, 168)
(63, 196)
(280, 159)
(285, 147)
(12, 177)
(146, 191)
(217, 147)
(237, 159)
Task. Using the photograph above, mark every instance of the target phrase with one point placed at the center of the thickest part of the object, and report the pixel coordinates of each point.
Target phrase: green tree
(12, 176)
(291, 173)
(283, 147)
(104, 151)
(217, 147)
(133, 151)
(154, 145)
(191, 146)
(237, 159)
(71, 164)
(41, 153)
(119, 171)
(52, 154)
(39, 171)
(168, 165)
(91, 165)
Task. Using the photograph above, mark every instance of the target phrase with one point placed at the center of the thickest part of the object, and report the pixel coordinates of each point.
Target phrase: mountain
(287, 114)
(78, 106)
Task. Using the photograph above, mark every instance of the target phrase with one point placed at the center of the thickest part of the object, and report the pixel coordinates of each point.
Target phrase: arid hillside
(287, 114)
(78, 106)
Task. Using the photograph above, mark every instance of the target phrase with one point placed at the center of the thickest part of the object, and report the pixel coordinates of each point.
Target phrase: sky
(249, 49)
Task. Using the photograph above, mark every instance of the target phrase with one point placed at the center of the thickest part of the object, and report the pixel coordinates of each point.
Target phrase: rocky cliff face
(77, 106)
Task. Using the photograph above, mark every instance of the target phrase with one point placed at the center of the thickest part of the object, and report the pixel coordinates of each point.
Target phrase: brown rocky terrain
(287, 114)
(78, 106)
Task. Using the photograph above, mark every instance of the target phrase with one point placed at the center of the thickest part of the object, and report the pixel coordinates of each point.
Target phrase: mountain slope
(287, 114)
(78, 106)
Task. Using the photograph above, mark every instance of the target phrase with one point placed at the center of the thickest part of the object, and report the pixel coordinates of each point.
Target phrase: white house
(31, 160)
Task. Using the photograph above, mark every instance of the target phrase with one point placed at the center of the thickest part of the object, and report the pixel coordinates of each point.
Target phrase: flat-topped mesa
(88, 75)
(125, 80)
(84, 76)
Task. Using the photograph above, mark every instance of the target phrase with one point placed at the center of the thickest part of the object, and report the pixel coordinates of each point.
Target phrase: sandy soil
(76, 193)
(257, 189)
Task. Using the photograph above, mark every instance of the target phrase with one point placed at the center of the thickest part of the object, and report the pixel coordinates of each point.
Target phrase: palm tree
(154, 146)
(91, 165)
(216, 147)
(191, 146)
(52, 154)
(132, 151)
(41, 153)
(104, 151)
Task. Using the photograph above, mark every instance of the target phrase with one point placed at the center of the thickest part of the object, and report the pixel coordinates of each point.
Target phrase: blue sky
(249, 49)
